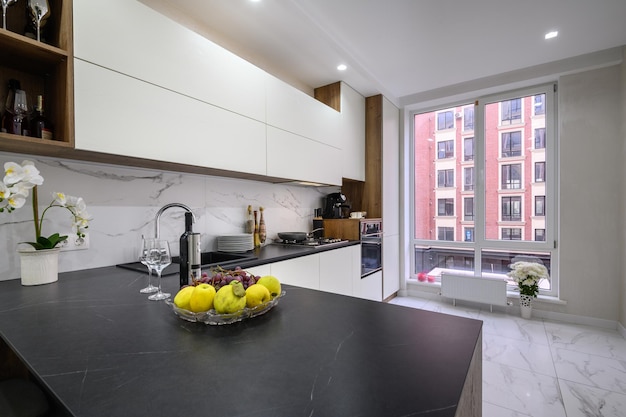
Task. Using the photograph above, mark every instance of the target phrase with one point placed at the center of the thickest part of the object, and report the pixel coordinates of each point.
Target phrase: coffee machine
(334, 205)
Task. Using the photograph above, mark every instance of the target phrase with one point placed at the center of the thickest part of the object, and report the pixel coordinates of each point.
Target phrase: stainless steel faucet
(157, 219)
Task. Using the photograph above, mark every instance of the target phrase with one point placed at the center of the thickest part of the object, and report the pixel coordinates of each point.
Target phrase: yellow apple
(230, 298)
(271, 283)
(182, 297)
(257, 294)
(202, 298)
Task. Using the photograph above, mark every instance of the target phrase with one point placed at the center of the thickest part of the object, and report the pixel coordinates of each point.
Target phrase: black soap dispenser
(184, 251)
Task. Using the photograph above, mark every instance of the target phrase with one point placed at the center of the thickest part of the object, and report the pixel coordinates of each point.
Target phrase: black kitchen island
(102, 349)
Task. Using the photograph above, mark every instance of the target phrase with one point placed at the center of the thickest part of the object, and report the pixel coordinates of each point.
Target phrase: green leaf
(47, 242)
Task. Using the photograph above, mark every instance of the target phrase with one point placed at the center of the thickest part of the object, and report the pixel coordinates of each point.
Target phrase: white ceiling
(401, 48)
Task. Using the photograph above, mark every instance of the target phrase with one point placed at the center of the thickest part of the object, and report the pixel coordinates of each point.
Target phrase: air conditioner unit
(458, 115)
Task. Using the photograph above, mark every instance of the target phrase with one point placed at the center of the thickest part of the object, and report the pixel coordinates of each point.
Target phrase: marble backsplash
(123, 203)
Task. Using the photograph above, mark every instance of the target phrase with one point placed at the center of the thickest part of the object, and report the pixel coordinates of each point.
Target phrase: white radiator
(484, 290)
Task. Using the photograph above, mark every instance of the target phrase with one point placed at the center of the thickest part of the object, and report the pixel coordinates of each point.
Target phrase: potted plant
(39, 264)
(527, 275)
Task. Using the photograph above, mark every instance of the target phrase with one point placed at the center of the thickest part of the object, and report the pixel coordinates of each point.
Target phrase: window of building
(540, 205)
(468, 209)
(540, 171)
(512, 209)
(468, 178)
(501, 224)
(445, 120)
(540, 235)
(511, 233)
(445, 233)
(511, 144)
(511, 177)
(445, 178)
(445, 149)
(540, 138)
(511, 111)
(468, 118)
(445, 207)
(468, 149)
(540, 107)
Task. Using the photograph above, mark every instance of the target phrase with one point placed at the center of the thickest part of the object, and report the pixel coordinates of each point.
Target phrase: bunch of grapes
(218, 277)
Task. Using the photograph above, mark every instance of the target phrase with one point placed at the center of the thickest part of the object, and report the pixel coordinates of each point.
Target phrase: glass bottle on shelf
(7, 116)
(41, 126)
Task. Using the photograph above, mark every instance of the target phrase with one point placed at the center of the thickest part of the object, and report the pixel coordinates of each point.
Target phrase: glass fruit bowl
(213, 318)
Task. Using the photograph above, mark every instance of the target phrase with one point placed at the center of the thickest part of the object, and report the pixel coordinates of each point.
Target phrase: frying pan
(297, 236)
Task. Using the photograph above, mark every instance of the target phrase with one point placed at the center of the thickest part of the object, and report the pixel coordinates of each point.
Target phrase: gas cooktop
(312, 243)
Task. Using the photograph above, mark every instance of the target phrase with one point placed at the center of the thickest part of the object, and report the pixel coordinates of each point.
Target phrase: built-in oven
(371, 236)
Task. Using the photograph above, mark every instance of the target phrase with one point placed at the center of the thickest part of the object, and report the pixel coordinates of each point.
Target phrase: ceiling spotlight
(342, 67)
(552, 34)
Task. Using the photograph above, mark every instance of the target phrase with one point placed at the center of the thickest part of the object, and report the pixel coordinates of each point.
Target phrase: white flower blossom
(15, 187)
(527, 276)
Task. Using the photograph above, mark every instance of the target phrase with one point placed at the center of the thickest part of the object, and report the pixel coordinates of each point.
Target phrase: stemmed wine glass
(158, 258)
(5, 4)
(39, 11)
(143, 258)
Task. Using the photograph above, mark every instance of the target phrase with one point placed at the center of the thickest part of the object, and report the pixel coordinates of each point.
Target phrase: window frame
(480, 244)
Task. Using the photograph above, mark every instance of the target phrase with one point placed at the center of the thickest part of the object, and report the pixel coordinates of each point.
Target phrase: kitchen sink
(208, 259)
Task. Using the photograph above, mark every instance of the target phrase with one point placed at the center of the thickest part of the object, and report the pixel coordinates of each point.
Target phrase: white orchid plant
(527, 275)
(19, 182)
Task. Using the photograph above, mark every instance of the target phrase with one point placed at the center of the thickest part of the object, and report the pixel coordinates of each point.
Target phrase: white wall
(124, 201)
(591, 181)
(622, 318)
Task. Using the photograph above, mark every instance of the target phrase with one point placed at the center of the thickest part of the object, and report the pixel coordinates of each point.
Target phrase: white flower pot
(526, 305)
(39, 266)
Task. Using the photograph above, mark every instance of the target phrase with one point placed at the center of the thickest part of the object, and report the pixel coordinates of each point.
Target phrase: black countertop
(273, 252)
(103, 349)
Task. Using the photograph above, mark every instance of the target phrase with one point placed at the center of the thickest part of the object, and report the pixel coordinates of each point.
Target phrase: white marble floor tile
(492, 410)
(585, 401)
(522, 391)
(520, 354)
(446, 308)
(409, 302)
(595, 341)
(513, 327)
(592, 370)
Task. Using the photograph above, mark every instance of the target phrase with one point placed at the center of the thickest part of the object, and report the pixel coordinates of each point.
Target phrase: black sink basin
(209, 259)
(215, 258)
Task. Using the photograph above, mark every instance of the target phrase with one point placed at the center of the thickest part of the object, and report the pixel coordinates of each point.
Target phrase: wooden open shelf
(42, 68)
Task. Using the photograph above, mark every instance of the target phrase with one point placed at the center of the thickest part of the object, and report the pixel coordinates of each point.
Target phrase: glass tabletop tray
(213, 318)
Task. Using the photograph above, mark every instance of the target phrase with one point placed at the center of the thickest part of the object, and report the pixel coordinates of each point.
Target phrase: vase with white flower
(39, 263)
(527, 275)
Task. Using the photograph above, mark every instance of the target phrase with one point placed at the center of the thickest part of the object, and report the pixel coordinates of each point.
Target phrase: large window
(505, 208)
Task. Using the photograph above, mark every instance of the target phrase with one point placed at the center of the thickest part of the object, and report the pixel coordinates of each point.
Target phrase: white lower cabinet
(334, 271)
(370, 287)
(301, 272)
(338, 268)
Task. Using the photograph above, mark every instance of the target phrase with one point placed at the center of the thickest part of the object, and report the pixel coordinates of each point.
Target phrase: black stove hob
(310, 242)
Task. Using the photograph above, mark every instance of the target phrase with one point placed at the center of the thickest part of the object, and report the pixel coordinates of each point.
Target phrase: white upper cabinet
(121, 115)
(296, 112)
(129, 37)
(352, 133)
(302, 159)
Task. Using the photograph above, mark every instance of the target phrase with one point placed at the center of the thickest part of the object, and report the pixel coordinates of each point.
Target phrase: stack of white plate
(240, 242)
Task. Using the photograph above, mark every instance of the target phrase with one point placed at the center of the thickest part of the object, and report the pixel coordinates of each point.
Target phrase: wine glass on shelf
(159, 257)
(39, 11)
(143, 258)
(5, 4)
